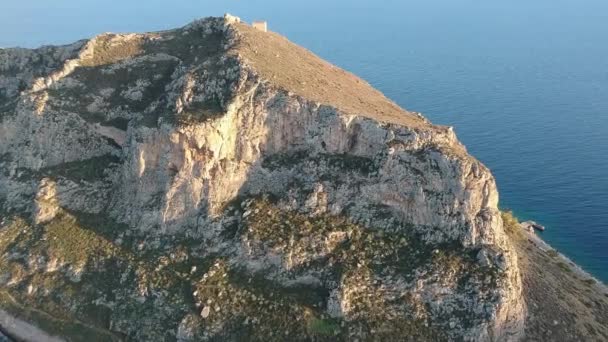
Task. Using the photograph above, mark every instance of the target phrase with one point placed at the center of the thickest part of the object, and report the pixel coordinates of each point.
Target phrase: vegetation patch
(81, 267)
(511, 224)
(52, 291)
(564, 267)
(323, 327)
(91, 169)
(120, 123)
(111, 48)
(69, 241)
(7, 106)
(337, 162)
(339, 241)
(189, 46)
(234, 305)
(75, 330)
(106, 99)
(231, 301)
(198, 112)
(280, 160)
(13, 232)
(589, 281)
(362, 258)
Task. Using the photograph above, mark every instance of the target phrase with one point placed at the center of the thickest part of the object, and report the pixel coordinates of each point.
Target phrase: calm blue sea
(524, 82)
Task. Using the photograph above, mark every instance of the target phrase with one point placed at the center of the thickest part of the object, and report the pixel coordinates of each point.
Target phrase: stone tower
(260, 25)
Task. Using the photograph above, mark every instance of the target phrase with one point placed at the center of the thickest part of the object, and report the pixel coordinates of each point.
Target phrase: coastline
(545, 247)
(564, 302)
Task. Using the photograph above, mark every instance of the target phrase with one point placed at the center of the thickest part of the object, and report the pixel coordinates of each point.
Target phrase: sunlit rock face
(226, 183)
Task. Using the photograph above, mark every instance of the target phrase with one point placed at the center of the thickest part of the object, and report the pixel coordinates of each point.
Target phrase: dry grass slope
(562, 305)
(296, 69)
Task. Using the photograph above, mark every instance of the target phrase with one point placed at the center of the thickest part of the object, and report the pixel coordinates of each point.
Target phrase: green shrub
(564, 267)
(323, 326)
(511, 224)
(589, 281)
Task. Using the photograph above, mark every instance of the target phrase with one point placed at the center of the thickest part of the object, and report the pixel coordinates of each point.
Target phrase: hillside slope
(564, 302)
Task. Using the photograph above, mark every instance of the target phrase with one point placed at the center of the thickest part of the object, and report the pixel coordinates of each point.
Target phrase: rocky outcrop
(145, 139)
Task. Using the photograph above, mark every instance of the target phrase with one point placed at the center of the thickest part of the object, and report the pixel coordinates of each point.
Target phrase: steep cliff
(218, 182)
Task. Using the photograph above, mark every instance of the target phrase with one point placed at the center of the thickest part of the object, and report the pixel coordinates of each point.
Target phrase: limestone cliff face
(195, 131)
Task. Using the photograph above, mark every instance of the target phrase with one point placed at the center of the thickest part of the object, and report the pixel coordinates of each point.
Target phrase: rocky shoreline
(543, 246)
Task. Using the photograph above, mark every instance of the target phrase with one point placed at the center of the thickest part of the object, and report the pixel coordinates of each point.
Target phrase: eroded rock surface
(217, 182)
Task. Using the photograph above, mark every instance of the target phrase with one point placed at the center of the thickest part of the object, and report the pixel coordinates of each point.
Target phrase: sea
(524, 83)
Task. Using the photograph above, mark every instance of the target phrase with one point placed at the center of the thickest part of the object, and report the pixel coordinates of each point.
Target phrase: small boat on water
(531, 226)
(538, 227)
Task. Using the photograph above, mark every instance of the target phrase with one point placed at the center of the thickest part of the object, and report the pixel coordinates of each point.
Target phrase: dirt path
(23, 330)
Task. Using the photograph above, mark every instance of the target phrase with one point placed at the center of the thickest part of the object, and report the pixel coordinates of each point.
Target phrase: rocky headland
(217, 182)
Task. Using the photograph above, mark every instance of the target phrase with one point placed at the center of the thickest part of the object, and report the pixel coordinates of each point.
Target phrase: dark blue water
(524, 82)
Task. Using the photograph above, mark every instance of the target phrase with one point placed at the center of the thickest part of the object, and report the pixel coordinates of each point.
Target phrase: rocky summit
(218, 182)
